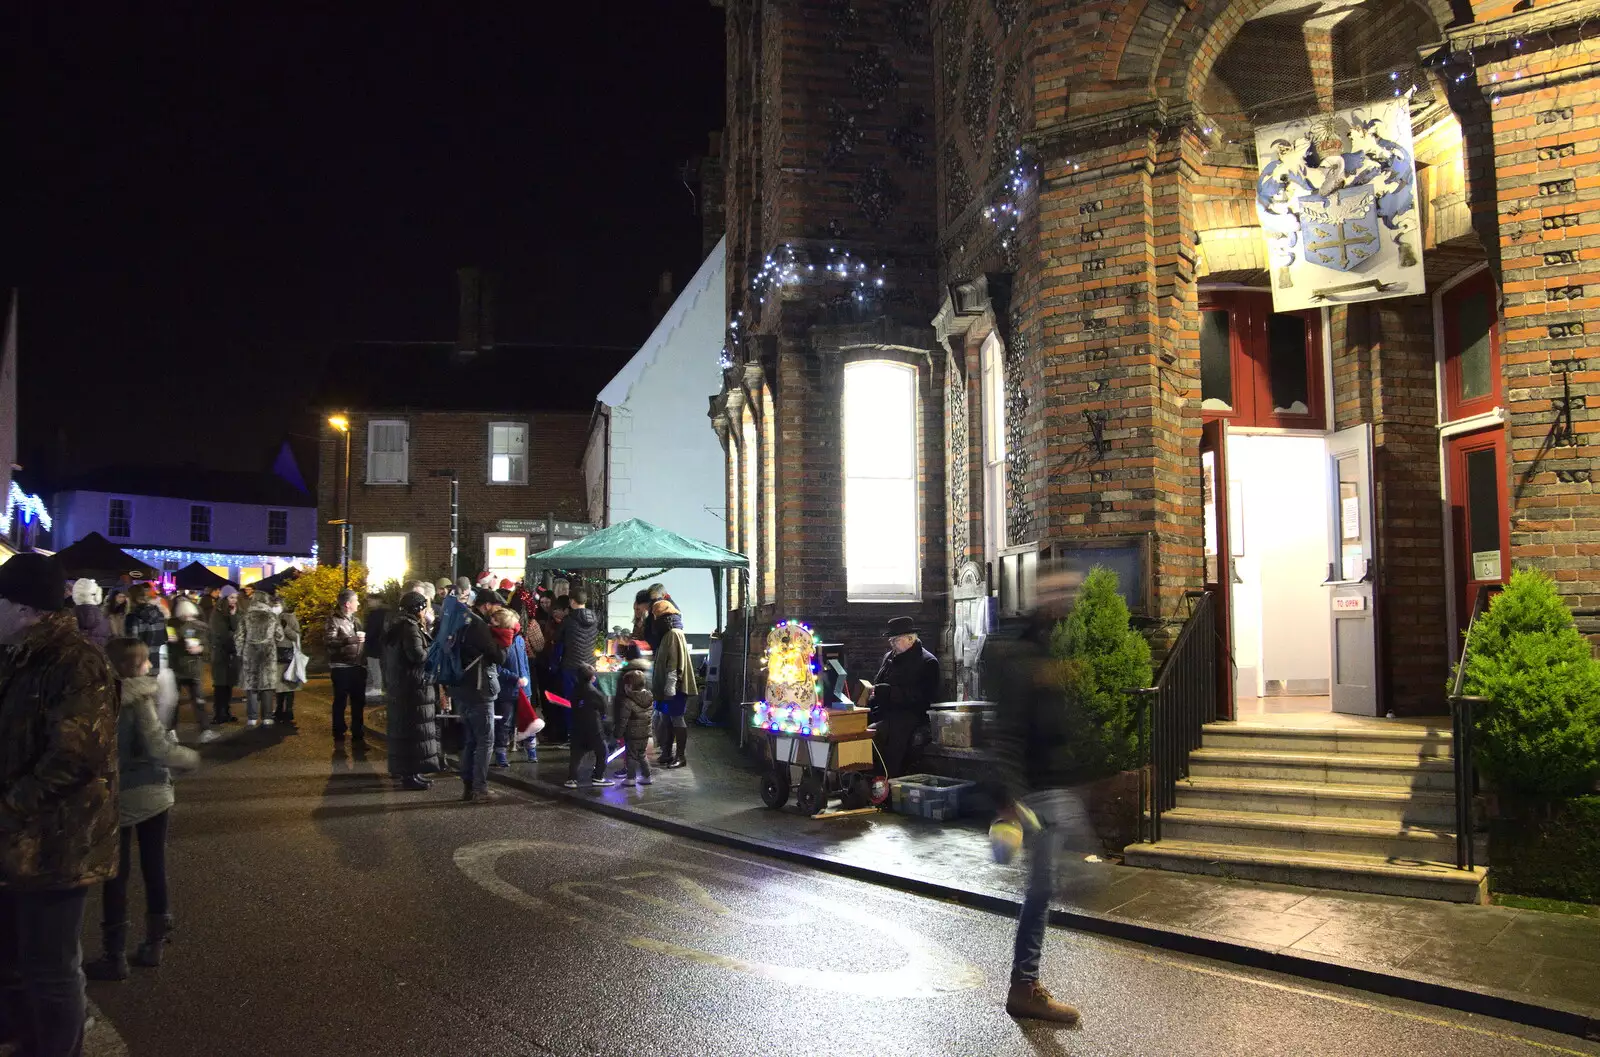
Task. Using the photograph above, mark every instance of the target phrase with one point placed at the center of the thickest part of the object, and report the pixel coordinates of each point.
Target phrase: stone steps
(1338, 768)
(1337, 870)
(1357, 836)
(1367, 808)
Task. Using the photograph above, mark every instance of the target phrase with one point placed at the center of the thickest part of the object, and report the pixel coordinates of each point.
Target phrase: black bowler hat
(902, 626)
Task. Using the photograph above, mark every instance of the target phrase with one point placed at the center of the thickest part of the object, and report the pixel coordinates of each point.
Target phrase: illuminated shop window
(880, 481)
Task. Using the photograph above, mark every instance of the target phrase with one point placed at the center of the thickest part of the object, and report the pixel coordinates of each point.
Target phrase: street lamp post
(342, 424)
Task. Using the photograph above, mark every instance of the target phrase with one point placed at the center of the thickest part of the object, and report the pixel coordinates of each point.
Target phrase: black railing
(1182, 701)
(1461, 725)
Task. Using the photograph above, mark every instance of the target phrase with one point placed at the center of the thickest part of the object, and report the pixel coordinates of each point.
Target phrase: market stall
(96, 557)
(635, 545)
(196, 577)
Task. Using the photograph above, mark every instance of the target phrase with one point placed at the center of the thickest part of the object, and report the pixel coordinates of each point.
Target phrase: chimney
(475, 331)
(663, 299)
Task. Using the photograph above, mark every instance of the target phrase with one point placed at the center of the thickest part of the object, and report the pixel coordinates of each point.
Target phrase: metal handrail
(1173, 711)
(1461, 726)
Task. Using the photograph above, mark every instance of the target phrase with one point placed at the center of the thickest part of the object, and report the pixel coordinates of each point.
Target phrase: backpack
(444, 665)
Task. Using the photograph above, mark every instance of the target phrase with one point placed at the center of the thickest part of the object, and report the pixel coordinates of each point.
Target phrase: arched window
(881, 554)
(749, 455)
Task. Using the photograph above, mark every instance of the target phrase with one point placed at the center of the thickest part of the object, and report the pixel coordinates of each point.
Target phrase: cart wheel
(858, 790)
(775, 787)
(810, 799)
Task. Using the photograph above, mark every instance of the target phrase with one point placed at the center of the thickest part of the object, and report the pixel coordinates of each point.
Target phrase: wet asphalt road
(322, 911)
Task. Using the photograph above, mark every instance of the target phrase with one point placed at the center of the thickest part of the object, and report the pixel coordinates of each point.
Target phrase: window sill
(1486, 419)
(383, 484)
(897, 600)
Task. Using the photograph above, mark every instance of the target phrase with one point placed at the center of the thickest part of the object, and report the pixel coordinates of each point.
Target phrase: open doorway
(1278, 507)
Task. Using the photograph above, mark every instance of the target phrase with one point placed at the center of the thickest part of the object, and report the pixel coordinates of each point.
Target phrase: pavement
(1527, 966)
(321, 910)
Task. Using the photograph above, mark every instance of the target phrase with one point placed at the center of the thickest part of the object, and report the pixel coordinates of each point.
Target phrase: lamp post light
(342, 424)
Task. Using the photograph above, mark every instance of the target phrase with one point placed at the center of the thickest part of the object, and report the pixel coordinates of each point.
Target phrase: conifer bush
(312, 595)
(1539, 734)
(1103, 659)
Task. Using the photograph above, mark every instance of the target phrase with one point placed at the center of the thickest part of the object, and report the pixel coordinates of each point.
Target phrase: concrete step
(1399, 740)
(1319, 799)
(1342, 871)
(1356, 836)
(1338, 768)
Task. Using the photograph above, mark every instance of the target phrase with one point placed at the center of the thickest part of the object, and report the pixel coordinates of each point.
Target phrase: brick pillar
(1118, 364)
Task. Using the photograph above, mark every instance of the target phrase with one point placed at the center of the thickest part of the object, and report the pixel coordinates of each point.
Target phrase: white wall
(162, 522)
(666, 462)
(1281, 611)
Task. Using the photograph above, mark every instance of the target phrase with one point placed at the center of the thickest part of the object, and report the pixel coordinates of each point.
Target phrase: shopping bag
(166, 696)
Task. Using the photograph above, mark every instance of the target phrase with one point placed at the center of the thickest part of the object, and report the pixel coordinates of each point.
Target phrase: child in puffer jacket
(632, 715)
(514, 682)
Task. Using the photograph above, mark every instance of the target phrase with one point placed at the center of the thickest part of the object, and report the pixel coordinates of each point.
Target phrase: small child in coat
(632, 715)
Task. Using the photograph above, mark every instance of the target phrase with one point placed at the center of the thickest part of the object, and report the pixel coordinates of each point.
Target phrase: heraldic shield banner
(1336, 195)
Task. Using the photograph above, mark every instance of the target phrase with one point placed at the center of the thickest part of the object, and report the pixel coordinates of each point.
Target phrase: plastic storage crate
(928, 796)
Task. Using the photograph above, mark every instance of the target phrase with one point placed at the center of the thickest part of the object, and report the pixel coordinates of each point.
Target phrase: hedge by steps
(1550, 851)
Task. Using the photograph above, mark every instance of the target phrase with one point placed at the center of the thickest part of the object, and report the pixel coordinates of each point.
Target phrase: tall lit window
(387, 457)
(880, 481)
(750, 456)
(277, 528)
(387, 555)
(735, 536)
(508, 453)
(119, 525)
(199, 524)
(769, 507)
(993, 381)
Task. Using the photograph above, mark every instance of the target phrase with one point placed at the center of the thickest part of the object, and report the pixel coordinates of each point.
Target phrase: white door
(1353, 572)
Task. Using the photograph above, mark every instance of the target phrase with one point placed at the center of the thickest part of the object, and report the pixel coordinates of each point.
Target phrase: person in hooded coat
(117, 613)
(413, 730)
(188, 653)
(632, 715)
(284, 710)
(86, 607)
(673, 683)
(257, 639)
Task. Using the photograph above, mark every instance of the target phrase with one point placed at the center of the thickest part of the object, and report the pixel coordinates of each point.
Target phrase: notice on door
(1349, 603)
(1486, 565)
(1350, 517)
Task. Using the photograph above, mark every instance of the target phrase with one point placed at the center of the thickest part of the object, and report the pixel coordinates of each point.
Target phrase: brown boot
(1028, 998)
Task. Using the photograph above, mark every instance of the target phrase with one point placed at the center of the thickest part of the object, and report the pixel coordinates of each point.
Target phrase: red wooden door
(1480, 527)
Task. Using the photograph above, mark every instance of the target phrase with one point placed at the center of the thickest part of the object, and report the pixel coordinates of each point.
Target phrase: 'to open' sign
(1349, 603)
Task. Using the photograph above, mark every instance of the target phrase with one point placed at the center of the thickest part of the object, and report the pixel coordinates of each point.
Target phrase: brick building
(998, 296)
(510, 421)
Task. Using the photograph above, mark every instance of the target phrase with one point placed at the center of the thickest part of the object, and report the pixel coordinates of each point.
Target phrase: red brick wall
(457, 441)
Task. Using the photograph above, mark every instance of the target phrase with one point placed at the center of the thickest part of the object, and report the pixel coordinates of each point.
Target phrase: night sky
(210, 201)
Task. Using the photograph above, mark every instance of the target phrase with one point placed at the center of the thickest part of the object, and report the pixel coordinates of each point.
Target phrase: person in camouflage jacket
(58, 803)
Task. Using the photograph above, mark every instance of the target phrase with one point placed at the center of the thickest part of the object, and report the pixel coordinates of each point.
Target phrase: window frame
(404, 450)
(111, 505)
(488, 551)
(284, 542)
(516, 480)
(208, 518)
(884, 593)
(1250, 352)
(750, 510)
(1479, 283)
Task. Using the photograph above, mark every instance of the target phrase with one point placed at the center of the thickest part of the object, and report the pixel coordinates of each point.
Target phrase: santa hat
(508, 585)
(86, 592)
(486, 579)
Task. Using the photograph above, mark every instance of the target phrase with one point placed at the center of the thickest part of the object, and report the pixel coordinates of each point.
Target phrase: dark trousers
(505, 712)
(221, 701)
(152, 834)
(638, 764)
(474, 710)
(41, 971)
(895, 733)
(1040, 848)
(349, 686)
(587, 736)
(197, 701)
(285, 709)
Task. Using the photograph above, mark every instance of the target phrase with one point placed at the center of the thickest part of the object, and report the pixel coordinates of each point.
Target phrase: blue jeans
(1040, 847)
(476, 736)
(505, 712)
(41, 971)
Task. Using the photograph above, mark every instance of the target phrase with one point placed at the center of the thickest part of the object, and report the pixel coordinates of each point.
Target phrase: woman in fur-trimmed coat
(413, 730)
(257, 638)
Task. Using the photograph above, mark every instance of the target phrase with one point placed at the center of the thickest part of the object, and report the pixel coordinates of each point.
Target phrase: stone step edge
(1348, 862)
(1326, 790)
(1377, 761)
(1336, 733)
(1344, 827)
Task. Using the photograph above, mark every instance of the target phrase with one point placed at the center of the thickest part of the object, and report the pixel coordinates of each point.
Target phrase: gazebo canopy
(97, 557)
(636, 544)
(270, 584)
(196, 577)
